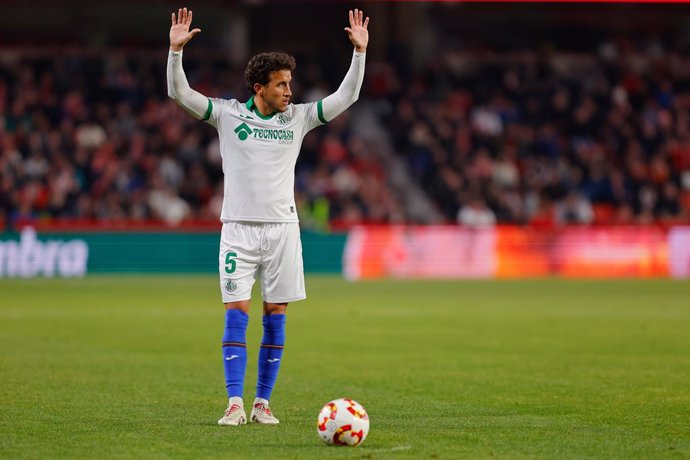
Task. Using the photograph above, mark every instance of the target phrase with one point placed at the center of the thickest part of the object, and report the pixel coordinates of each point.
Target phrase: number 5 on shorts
(230, 262)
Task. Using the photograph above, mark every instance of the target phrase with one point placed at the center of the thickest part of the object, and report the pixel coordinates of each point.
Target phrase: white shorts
(273, 251)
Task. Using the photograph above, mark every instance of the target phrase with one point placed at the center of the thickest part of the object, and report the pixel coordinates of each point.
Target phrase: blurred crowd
(93, 138)
(542, 137)
(520, 137)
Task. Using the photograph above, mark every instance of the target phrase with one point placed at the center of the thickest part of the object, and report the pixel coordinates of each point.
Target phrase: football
(343, 422)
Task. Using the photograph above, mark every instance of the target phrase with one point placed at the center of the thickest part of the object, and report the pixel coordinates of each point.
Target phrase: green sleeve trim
(319, 111)
(209, 109)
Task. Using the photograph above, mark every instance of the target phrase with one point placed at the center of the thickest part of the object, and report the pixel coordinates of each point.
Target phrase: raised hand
(358, 33)
(179, 31)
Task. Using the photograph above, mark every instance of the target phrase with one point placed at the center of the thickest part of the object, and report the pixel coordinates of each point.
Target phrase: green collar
(252, 107)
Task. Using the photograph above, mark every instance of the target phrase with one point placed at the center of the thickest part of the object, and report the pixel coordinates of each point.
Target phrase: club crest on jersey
(230, 285)
(243, 131)
(282, 119)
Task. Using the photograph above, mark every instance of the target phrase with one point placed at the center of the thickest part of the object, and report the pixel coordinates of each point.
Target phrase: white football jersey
(259, 155)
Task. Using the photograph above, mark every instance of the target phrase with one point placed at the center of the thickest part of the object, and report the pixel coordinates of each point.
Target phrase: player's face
(277, 92)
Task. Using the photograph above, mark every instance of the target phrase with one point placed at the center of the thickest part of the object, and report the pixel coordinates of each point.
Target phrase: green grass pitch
(130, 367)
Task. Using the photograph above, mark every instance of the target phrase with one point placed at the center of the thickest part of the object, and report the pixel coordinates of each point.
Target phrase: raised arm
(178, 88)
(348, 92)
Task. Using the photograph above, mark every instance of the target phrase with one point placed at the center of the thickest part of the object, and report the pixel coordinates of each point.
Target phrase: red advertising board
(679, 252)
(419, 252)
(506, 252)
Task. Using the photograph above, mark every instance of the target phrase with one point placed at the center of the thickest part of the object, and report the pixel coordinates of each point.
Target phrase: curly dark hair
(260, 67)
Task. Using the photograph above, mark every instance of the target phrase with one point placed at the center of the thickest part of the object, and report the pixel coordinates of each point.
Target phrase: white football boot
(234, 414)
(262, 414)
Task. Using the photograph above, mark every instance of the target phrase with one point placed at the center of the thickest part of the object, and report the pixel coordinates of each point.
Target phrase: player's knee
(242, 305)
(275, 308)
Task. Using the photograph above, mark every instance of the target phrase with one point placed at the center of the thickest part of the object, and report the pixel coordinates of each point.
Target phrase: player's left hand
(358, 32)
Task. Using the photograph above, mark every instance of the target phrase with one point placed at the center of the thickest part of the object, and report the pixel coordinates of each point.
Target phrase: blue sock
(235, 351)
(270, 354)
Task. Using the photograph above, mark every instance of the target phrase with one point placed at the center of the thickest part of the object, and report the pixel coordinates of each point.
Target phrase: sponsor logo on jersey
(283, 136)
(243, 131)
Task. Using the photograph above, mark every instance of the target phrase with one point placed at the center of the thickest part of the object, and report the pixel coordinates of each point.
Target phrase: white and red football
(343, 422)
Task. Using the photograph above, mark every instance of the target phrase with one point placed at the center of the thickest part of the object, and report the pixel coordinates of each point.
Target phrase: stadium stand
(475, 132)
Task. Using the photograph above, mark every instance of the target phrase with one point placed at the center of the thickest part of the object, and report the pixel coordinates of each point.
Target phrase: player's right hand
(179, 31)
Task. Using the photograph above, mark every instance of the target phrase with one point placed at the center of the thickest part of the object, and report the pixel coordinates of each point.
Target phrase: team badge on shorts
(230, 285)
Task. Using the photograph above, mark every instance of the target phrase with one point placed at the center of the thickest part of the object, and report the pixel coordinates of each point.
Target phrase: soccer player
(260, 140)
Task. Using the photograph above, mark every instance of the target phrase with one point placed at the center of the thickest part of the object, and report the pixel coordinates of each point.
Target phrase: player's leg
(270, 357)
(282, 281)
(235, 360)
(239, 261)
